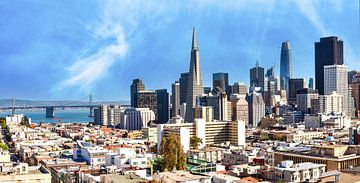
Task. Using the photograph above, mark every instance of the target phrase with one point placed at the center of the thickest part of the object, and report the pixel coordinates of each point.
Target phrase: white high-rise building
(336, 79)
(332, 103)
(136, 118)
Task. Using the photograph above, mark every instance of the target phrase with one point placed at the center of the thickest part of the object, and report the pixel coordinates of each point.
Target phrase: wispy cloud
(84, 72)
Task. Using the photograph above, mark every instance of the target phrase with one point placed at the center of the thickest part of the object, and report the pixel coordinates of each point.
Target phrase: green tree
(3, 146)
(25, 121)
(3, 123)
(172, 153)
(195, 141)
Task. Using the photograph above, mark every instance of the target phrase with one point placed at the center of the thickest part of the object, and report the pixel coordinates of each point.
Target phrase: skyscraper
(257, 77)
(162, 97)
(195, 82)
(295, 84)
(184, 78)
(256, 107)
(147, 99)
(239, 88)
(285, 65)
(335, 79)
(175, 99)
(311, 83)
(304, 98)
(329, 51)
(221, 80)
(136, 86)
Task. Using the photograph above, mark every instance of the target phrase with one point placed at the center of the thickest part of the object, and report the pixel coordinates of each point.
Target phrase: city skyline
(78, 56)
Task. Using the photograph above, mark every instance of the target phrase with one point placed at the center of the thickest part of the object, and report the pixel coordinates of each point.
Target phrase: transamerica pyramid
(195, 87)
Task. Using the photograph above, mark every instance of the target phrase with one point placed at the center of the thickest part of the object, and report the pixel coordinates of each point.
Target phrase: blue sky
(56, 50)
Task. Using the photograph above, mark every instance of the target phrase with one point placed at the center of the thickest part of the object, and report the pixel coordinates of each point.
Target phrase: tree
(172, 153)
(3, 146)
(3, 123)
(195, 141)
(25, 121)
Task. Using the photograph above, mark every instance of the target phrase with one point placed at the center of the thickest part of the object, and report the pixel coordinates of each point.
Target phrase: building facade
(285, 65)
(136, 86)
(195, 82)
(329, 51)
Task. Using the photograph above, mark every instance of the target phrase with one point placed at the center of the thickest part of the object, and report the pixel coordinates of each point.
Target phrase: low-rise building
(301, 172)
(301, 136)
(92, 154)
(210, 154)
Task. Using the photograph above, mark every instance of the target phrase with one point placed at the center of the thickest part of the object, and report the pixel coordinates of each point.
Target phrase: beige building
(301, 136)
(216, 132)
(239, 108)
(205, 112)
(208, 154)
(335, 157)
(150, 134)
(22, 173)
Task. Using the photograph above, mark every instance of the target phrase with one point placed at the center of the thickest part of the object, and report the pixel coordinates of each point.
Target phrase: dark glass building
(162, 97)
(329, 51)
(285, 65)
(136, 86)
(257, 77)
(184, 78)
(221, 80)
(295, 84)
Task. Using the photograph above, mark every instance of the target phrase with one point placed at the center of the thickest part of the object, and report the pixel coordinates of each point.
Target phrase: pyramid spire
(194, 41)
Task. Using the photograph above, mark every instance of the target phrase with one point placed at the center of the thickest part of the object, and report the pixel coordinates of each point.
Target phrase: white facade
(336, 79)
(136, 118)
(302, 172)
(92, 154)
(15, 119)
(331, 103)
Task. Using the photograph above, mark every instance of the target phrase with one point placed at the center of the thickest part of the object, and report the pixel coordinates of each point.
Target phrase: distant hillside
(20, 102)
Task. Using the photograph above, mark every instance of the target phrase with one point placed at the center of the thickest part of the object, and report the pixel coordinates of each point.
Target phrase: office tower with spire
(195, 82)
(285, 65)
(257, 77)
(136, 86)
(329, 51)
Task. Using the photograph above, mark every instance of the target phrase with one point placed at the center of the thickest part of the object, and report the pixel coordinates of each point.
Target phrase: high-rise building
(304, 98)
(257, 77)
(332, 103)
(107, 115)
(335, 79)
(239, 107)
(256, 106)
(136, 118)
(355, 93)
(136, 86)
(175, 99)
(207, 89)
(221, 80)
(239, 88)
(271, 86)
(329, 51)
(114, 115)
(311, 83)
(162, 98)
(205, 112)
(195, 82)
(219, 103)
(352, 76)
(295, 84)
(147, 99)
(285, 65)
(184, 78)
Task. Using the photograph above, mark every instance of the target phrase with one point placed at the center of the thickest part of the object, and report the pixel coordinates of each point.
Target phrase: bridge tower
(13, 106)
(91, 114)
(50, 112)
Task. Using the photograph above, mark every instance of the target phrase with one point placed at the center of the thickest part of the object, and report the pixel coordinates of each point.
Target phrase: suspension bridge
(50, 109)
